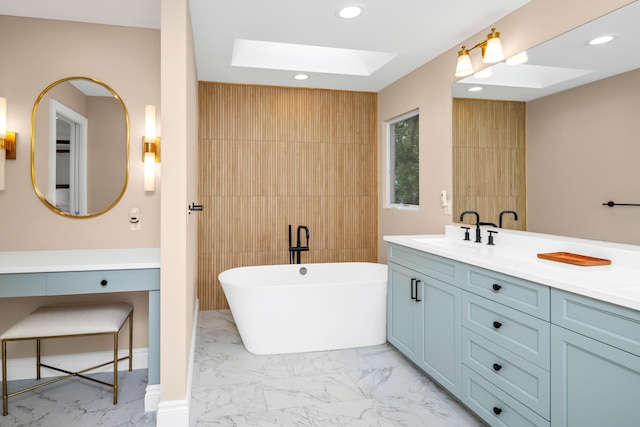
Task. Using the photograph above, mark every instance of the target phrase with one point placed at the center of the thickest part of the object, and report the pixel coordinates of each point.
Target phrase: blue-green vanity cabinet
(595, 364)
(505, 348)
(423, 311)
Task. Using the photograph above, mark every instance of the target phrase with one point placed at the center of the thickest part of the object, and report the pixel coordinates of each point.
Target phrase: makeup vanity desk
(88, 271)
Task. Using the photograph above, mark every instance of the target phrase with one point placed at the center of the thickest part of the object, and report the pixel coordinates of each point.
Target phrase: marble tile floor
(368, 386)
(80, 403)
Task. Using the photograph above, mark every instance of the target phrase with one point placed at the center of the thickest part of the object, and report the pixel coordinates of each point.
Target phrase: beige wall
(583, 150)
(126, 59)
(180, 182)
(429, 89)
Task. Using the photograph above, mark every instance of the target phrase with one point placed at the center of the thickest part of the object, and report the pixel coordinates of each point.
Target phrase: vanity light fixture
(491, 53)
(150, 148)
(7, 142)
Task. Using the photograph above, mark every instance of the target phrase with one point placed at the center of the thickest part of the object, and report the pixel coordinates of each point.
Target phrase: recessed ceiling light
(301, 76)
(601, 40)
(349, 12)
(474, 89)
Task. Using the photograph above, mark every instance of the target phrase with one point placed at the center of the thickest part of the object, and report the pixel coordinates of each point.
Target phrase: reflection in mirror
(578, 108)
(79, 147)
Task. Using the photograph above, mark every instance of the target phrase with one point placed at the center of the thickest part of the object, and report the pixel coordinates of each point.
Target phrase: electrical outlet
(137, 226)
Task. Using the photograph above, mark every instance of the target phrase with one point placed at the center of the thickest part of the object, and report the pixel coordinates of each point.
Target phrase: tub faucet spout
(294, 251)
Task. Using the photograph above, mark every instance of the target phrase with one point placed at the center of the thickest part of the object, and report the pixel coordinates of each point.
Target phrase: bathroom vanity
(74, 272)
(521, 341)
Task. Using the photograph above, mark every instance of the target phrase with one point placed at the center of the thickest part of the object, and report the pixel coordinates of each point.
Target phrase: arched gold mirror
(79, 147)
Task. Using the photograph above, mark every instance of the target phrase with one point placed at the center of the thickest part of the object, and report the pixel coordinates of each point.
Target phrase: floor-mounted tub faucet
(294, 251)
(478, 236)
(515, 216)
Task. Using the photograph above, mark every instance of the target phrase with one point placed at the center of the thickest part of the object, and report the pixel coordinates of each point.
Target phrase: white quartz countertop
(78, 260)
(515, 254)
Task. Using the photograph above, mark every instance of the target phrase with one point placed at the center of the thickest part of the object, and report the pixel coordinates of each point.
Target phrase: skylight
(305, 58)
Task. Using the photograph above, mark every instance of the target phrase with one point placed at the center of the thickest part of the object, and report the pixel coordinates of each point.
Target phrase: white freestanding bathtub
(296, 308)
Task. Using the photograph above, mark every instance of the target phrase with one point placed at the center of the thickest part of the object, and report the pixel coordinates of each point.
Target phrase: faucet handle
(491, 233)
(466, 233)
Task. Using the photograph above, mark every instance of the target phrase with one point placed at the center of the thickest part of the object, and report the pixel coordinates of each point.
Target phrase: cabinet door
(592, 384)
(441, 327)
(402, 305)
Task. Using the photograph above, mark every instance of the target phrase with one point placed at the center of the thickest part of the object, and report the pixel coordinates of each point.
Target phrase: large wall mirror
(580, 104)
(79, 147)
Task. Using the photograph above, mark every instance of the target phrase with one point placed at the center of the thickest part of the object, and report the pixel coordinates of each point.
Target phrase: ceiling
(406, 33)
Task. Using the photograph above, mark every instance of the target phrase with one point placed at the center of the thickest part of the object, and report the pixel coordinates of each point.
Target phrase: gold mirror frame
(33, 147)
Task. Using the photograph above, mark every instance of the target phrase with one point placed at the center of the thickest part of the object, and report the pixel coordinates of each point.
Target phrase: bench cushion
(64, 320)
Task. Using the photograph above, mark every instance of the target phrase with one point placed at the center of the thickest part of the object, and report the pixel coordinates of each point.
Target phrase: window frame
(390, 172)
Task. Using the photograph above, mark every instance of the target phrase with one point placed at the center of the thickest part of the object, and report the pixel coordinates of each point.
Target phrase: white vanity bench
(90, 271)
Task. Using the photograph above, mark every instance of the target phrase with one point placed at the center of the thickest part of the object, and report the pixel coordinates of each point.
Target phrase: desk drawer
(609, 323)
(525, 381)
(440, 268)
(528, 297)
(524, 335)
(89, 282)
(495, 406)
(22, 285)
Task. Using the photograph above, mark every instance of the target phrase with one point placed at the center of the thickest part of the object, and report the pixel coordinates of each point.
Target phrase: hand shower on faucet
(294, 251)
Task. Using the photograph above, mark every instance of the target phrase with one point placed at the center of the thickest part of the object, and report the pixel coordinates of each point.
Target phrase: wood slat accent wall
(489, 160)
(274, 156)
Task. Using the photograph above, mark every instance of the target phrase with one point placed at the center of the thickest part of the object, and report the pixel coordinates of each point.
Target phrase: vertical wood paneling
(489, 159)
(273, 156)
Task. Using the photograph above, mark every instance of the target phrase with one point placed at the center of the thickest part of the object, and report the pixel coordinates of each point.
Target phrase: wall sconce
(491, 53)
(150, 148)
(7, 142)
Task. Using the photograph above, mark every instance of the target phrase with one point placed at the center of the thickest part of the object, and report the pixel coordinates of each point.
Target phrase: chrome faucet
(515, 216)
(478, 236)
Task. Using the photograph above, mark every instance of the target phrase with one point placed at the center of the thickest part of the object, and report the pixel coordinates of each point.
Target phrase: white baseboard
(25, 368)
(152, 398)
(175, 413)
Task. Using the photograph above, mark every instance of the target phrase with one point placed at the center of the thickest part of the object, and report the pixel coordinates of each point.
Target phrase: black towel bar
(612, 204)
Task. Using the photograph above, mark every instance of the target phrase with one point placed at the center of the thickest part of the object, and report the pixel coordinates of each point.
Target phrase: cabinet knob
(497, 367)
(103, 282)
(497, 410)
(496, 287)
(497, 325)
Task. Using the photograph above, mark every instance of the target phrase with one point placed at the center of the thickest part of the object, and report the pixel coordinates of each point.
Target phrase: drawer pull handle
(497, 325)
(497, 410)
(413, 284)
(417, 283)
(496, 287)
(497, 367)
(103, 282)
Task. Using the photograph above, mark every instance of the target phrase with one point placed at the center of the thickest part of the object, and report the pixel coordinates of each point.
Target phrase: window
(403, 160)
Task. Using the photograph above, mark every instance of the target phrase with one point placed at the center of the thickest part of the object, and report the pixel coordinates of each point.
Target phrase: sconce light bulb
(149, 171)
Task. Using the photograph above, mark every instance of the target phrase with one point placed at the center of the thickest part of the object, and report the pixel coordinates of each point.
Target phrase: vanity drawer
(528, 297)
(495, 406)
(525, 381)
(84, 282)
(524, 335)
(609, 323)
(22, 285)
(434, 266)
